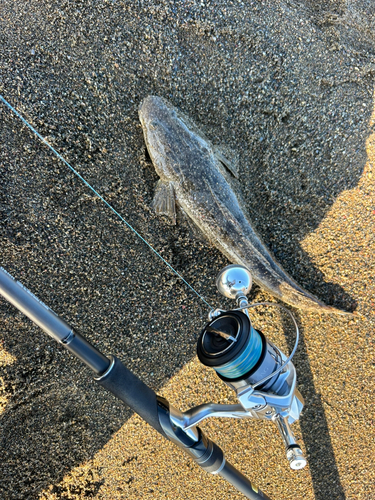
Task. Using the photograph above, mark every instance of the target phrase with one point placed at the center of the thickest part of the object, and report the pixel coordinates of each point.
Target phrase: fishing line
(100, 197)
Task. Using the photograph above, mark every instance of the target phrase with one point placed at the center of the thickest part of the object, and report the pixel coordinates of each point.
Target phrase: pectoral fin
(164, 200)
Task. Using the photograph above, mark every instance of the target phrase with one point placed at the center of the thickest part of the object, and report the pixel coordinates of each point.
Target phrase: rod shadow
(314, 426)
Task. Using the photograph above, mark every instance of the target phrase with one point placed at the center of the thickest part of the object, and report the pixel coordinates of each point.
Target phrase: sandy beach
(287, 88)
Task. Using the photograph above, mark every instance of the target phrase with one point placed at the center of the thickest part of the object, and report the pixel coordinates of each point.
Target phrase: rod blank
(47, 320)
(32, 307)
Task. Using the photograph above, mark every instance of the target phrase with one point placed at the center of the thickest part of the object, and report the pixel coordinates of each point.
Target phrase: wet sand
(287, 87)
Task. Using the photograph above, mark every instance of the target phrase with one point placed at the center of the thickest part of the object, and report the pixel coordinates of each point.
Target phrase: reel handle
(235, 282)
(293, 452)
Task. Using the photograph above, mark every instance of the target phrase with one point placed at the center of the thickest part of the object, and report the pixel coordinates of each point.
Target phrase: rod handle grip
(132, 391)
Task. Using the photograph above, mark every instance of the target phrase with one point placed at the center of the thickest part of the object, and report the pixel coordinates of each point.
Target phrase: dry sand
(289, 87)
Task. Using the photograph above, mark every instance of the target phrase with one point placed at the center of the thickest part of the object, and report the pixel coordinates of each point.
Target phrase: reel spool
(230, 344)
(237, 352)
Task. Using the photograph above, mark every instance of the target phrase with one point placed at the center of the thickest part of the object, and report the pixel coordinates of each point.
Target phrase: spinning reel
(263, 378)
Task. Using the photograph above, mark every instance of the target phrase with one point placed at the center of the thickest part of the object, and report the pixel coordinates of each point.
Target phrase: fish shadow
(313, 280)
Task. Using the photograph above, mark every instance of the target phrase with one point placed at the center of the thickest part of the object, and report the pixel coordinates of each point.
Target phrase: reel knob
(296, 459)
(234, 282)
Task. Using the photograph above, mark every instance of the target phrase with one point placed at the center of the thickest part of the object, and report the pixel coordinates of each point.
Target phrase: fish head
(173, 147)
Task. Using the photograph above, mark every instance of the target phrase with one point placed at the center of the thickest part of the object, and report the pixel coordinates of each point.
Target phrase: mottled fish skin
(187, 166)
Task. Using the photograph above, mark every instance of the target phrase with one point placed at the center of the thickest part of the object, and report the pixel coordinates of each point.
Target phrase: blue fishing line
(246, 360)
(100, 197)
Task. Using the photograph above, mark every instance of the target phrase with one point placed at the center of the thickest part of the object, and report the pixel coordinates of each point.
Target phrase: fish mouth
(152, 106)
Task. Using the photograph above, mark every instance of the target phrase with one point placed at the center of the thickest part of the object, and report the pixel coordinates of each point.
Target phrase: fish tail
(302, 299)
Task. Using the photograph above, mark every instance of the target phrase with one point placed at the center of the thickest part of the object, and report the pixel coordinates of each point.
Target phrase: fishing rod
(263, 378)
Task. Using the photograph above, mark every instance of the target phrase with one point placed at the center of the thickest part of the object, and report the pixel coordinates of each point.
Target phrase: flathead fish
(193, 174)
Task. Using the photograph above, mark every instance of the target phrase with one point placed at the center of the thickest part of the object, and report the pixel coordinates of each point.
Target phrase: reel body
(263, 378)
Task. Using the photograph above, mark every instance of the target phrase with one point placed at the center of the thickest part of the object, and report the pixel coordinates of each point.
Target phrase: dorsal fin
(231, 166)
